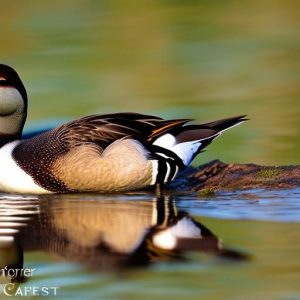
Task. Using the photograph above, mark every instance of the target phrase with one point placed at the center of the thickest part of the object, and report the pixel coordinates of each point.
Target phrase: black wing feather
(105, 129)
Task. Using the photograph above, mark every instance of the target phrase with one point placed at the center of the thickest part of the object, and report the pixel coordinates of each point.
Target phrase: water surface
(177, 59)
(138, 245)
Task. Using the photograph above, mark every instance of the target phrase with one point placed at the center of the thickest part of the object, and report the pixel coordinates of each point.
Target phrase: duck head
(13, 104)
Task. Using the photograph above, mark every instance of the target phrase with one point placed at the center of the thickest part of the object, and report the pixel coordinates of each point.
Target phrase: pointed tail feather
(223, 124)
(188, 141)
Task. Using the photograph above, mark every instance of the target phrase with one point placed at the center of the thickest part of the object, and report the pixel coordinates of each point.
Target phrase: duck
(106, 153)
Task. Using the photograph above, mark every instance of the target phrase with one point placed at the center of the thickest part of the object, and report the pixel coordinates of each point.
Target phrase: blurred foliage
(198, 59)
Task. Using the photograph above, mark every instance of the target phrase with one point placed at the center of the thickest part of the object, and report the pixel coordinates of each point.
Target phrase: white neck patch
(11, 110)
(10, 100)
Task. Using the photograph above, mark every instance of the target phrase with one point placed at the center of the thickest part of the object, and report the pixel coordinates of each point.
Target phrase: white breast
(12, 177)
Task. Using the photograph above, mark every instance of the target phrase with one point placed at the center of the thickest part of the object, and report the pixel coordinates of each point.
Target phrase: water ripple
(15, 211)
(282, 206)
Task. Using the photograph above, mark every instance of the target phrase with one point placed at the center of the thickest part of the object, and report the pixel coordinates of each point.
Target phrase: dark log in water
(219, 176)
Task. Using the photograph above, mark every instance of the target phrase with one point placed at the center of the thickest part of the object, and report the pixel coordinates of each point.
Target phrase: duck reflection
(16, 213)
(104, 232)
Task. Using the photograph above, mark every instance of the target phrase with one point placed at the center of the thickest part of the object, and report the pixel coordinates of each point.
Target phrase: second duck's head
(13, 103)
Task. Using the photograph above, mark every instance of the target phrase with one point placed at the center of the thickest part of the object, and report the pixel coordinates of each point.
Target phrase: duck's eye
(3, 80)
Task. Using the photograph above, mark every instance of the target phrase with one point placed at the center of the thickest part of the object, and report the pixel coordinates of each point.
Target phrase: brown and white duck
(98, 153)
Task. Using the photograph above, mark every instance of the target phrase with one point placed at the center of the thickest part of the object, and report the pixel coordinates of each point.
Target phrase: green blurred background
(198, 59)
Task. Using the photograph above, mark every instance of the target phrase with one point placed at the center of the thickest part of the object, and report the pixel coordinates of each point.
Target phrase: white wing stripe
(168, 172)
(154, 171)
(184, 150)
(175, 173)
